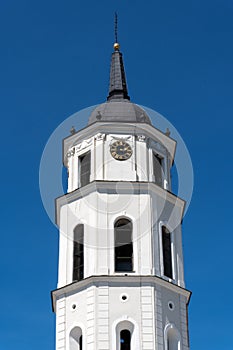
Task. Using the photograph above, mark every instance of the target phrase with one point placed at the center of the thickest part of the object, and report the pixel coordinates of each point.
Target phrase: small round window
(73, 307)
(171, 305)
(124, 297)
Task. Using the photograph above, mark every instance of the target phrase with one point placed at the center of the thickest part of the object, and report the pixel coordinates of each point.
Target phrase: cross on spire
(116, 28)
(117, 83)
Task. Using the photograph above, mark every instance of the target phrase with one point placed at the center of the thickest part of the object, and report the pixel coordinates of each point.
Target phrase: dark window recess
(167, 252)
(123, 246)
(168, 344)
(78, 254)
(172, 341)
(81, 342)
(84, 168)
(125, 340)
(158, 169)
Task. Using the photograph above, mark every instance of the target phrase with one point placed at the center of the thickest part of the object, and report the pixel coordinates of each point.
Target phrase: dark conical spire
(117, 84)
(118, 108)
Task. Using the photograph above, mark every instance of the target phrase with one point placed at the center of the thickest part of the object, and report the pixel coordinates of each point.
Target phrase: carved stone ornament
(99, 115)
(99, 137)
(84, 144)
(141, 138)
(71, 152)
(72, 130)
(113, 138)
(142, 118)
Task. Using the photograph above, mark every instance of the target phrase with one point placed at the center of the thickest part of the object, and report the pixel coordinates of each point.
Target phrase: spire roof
(117, 84)
(118, 107)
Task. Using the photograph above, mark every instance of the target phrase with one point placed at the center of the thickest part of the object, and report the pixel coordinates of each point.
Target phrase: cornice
(126, 280)
(137, 129)
(116, 187)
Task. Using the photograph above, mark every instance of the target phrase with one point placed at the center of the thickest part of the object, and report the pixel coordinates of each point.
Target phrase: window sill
(123, 273)
(168, 279)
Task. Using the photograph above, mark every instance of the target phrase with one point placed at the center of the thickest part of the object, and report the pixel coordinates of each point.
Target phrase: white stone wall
(99, 310)
(184, 323)
(98, 211)
(139, 167)
(120, 189)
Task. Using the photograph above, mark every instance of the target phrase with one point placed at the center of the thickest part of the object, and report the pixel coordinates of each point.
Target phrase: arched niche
(121, 329)
(172, 338)
(76, 339)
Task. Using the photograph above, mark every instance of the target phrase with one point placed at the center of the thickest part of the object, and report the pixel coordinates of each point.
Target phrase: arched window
(123, 246)
(76, 339)
(78, 253)
(167, 252)
(158, 169)
(125, 339)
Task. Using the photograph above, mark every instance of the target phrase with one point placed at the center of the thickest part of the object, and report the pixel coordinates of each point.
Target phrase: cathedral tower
(121, 281)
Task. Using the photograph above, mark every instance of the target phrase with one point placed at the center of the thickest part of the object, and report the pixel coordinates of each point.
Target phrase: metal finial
(99, 116)
(116, 28)
(72, 130)
(116, 44)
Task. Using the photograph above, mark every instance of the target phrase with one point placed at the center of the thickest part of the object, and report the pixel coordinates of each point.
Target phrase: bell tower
(121, 280)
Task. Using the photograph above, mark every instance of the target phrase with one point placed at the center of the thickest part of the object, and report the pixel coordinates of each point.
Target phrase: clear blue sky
(54, 61)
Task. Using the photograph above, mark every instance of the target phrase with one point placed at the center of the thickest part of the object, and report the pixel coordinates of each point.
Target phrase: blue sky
(54, 61)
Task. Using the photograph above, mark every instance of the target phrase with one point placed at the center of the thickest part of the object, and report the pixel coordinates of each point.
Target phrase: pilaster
(147, 317)
(103, 318)
(61, 323)
(159, 334)
(91, 327)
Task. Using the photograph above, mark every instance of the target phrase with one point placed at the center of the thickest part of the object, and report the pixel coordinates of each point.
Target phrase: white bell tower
(121, 280)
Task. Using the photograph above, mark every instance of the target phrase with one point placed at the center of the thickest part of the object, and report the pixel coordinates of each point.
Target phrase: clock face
(121, 150)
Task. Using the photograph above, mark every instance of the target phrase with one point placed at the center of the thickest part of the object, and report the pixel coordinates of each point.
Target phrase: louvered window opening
(123, 246)
(157, 169)
(85, 168)
(167, 252)
(78, 253)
